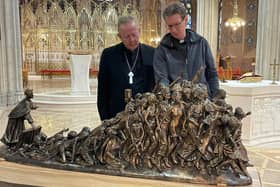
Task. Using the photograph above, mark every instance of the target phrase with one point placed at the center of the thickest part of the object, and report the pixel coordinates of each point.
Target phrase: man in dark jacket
(182, 52)
(128, 65)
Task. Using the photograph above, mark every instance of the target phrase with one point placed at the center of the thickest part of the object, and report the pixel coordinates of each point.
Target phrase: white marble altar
(80, 74)
(263, 100)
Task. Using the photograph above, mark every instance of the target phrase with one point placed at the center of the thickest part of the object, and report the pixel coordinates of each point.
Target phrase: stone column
(207, 22)
(268, 37)
(163, 27)
(10, 53)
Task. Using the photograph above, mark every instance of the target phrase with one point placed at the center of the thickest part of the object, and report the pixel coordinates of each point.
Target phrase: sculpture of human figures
(176, 114)
(163, 121)
(174, 132)
(16, 119)
(150, 125)
(177, 108)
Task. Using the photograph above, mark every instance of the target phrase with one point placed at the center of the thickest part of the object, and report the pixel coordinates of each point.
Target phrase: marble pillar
(163, 28)
(207, 22)
(268, 37)
(10, 53)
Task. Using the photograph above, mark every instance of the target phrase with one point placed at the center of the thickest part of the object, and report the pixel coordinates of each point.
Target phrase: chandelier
(235, 21)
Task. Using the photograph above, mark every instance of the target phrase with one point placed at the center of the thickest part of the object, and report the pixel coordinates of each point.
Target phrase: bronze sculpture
(17, 116)
(175, 133)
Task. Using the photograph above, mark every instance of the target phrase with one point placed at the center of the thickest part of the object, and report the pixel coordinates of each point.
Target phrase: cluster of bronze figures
(174, 133)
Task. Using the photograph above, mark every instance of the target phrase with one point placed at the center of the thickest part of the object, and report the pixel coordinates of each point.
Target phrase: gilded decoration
(52, 28)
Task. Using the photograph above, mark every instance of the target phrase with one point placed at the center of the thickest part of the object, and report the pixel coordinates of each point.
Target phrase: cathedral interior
(38, 36)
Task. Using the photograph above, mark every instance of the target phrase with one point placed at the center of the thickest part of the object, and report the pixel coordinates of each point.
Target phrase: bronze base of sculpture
(178, 175)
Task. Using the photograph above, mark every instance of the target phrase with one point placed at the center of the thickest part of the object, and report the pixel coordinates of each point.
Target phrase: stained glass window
(190, 6)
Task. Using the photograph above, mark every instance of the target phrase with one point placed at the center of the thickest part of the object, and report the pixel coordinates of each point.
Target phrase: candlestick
(274, 71)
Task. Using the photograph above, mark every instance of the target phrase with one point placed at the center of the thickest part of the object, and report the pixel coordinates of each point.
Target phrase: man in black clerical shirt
(183, 52)
(127, 65)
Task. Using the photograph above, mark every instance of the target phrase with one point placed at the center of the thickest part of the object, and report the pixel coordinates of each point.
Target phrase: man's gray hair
(126, 19)
(173, 9)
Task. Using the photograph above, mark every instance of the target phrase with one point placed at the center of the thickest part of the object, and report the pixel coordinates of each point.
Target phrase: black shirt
(138, 70)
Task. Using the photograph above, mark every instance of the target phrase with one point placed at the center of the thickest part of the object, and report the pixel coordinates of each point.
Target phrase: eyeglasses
(176, 25)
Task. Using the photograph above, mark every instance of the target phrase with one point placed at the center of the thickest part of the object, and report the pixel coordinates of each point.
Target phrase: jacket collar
(170, 42)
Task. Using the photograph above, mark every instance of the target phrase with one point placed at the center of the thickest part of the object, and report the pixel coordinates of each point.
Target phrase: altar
(80, 74)
(262, 99)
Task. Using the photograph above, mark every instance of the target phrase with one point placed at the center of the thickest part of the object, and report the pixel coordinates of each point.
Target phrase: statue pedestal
(80, 74)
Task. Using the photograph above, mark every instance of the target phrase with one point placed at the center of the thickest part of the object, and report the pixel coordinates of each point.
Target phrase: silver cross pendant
(130, 75)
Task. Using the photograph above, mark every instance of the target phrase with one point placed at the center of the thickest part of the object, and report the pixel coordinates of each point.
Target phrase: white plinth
(80, 74)
(263, 100)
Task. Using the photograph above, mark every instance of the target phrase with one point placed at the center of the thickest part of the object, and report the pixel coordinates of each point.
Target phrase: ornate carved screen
(51, 28)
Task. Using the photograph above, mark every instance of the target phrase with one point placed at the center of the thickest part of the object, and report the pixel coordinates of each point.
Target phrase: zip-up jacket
(174, 58)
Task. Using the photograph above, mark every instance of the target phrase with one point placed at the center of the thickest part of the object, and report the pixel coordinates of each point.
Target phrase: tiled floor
(265, 159)
(267, 162)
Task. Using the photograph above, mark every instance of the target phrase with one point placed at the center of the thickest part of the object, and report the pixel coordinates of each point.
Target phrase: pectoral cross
(130, 75)
(274, 71)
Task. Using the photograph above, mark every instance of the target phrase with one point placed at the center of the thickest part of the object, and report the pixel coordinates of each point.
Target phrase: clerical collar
(181, 41)
(129, 52)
